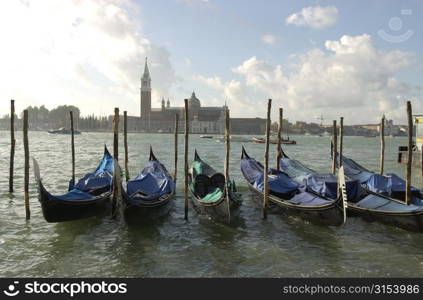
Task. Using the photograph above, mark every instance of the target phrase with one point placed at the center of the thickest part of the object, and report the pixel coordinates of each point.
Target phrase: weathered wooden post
(266, 162)
(125, 142)
(382, 145)
(335, 147)
(12, 144)
(341, 139)
(176, 146)
(186, 159)
(279, 152)
(26, 167)
(116, 134)
(116, 176)
(227, 152)
(410, 154)
(421, 161)
(72, 146)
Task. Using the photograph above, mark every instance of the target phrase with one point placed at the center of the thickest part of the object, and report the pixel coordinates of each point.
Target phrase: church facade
(205, 120)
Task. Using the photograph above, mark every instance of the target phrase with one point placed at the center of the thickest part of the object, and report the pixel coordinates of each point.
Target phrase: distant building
(203, 119)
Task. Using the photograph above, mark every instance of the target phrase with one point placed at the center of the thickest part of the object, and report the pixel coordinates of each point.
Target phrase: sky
(356, 59)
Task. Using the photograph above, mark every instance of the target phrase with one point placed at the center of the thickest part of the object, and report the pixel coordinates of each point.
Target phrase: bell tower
(145, 93)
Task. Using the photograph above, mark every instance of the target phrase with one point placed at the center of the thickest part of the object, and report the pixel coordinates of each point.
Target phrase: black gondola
(89, 197)
(285, 195)
(207, 188)
(361, 202)
(150, 194)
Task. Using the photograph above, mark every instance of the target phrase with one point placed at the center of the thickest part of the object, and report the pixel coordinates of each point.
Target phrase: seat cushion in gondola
(218, 180)
(201, 185)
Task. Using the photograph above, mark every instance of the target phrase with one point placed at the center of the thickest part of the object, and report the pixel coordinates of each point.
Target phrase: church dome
(194, 102)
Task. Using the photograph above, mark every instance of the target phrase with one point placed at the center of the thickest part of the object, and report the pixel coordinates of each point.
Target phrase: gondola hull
(148, 211)
(218, 210)
(58, 210)
(411, 221)
(326, 215)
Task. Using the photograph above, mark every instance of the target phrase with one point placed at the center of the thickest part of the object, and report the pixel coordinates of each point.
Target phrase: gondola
(149, 195)
(88, 197)
(286, 195)
(360, 201)
(207, 188)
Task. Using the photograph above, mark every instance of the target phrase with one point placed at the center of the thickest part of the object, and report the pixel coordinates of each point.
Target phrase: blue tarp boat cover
(93, 184)
(321, 184)
(307, 199)
(75, 194)
(295, 169)
(153, 182)
(327, 185)
(379, 203)
(279, 182)
(382, 184)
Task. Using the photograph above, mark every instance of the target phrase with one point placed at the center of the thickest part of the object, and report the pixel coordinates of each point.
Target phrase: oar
(227, 150)
(342, 191)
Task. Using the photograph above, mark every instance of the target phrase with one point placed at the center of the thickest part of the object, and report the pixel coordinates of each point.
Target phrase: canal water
(281, 246)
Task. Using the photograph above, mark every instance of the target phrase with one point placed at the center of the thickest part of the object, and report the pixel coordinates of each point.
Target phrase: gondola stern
(152, 156)
(284, 154)
(196, 156)
(106, 151)
(244, 154)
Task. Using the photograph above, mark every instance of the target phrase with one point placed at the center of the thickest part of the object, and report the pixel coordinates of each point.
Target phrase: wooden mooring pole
(176, 146)
(382, 145)
(341, 139)
(12, 144)
(266, 162)
(410, 154)
(278, 150)
(421, 161)
(186, 160)
(335, 147)
(116, 160)
(26, 166)
(125, 143)
(227, 153)
(72, 147)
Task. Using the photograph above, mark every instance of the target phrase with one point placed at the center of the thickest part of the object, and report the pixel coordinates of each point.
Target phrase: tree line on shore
(40, 118)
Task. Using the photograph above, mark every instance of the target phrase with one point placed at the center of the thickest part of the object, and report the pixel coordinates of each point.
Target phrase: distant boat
(206, 136)
(63, 131)
(263, 141)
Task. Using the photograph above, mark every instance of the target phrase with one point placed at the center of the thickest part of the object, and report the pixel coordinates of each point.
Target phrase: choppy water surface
(281, 246)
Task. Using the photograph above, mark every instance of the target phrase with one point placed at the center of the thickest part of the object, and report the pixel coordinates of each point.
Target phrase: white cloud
(315, 17)
(268, 39)
(354, 79)
(84, 53)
